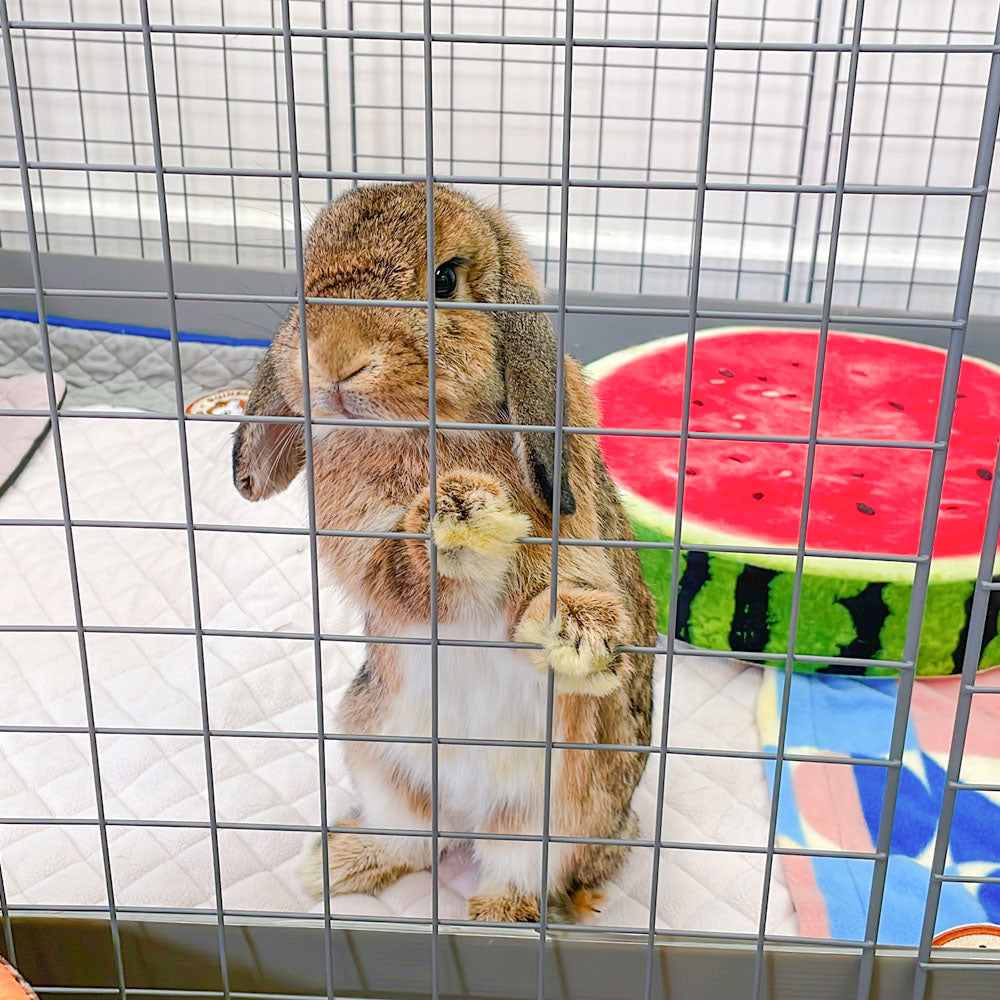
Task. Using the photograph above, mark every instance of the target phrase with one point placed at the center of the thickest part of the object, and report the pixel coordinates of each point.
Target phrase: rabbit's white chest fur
(487, 694)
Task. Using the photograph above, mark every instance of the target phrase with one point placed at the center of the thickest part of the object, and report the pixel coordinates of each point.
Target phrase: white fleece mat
(129, 469)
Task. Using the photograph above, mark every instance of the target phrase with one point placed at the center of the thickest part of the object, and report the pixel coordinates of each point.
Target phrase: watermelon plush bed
(748, 494)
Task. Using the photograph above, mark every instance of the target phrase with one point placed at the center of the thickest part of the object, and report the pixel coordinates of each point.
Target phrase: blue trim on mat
(154, 332)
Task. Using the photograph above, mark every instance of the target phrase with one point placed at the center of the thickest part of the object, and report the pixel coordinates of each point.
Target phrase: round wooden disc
(12, 986)
(224, 401)
(980, 936)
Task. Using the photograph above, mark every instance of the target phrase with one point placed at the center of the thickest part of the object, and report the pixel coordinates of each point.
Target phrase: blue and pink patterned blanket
(838, 806)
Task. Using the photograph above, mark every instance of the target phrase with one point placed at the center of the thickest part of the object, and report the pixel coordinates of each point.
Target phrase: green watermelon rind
(827, 626)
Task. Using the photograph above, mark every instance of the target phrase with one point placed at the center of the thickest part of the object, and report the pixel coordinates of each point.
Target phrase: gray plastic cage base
(588, 336)
(389, 963)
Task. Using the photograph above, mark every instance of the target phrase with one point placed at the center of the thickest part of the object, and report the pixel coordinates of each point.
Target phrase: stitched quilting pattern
(139, 577)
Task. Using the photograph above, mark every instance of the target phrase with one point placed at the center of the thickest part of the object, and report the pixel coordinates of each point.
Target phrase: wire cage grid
(83, 108)
(830, 196)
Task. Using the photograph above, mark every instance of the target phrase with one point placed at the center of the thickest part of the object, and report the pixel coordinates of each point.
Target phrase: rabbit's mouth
(342, 395)
(332, 401)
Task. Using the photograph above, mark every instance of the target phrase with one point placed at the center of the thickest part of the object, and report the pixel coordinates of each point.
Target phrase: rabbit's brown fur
(492, 488)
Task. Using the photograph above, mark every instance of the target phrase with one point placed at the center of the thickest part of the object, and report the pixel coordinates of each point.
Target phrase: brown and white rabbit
(493, 487)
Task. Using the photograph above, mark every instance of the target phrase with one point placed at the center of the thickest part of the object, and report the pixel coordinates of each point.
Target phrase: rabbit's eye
(445, 281)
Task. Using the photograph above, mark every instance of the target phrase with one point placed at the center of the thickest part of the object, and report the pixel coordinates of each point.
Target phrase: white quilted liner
(129, 469)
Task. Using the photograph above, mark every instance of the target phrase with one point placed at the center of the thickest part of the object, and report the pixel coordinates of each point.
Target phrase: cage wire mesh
(776, 105)
(761, 151)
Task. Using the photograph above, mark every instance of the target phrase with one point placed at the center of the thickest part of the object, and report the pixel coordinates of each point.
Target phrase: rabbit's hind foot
(510, 906)
(356, 863)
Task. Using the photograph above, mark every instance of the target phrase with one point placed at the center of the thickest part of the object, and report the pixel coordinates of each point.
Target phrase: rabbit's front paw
(475, 527)
(579, 642)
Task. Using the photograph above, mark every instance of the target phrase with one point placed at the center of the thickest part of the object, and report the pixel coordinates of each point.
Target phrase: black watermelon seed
(951, 506)
(959, 395)
(858, 475)
(697, 402)
(796, 364)
(864, 508)
(895, 406)
(690, 472)
(984, 474)
(737, 458)
(728, 374)
(761, 378)
(758, 496)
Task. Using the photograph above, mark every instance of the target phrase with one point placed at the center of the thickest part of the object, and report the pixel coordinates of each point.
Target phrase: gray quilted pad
(119, 369)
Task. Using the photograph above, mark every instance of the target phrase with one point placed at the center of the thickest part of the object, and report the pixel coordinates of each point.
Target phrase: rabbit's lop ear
(266, 457)
(528, 350)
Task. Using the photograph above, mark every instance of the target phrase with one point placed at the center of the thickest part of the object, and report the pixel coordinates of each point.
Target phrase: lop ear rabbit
(493, 488)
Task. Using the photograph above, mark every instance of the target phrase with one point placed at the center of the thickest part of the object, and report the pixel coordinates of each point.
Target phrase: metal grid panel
(222, 103)
(918, 127)
(636, 120)
(170, 180)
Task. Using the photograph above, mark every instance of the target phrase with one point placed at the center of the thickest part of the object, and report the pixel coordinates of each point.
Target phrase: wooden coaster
(12, 986)
(224, 401)
(984, 937)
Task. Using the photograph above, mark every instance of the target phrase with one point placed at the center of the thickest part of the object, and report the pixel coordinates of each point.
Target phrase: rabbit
(493, 488)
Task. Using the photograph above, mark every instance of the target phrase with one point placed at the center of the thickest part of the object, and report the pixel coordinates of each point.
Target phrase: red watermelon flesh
(761, 381)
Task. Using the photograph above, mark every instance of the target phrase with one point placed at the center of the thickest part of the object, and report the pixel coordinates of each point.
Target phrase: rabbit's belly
(483, 694)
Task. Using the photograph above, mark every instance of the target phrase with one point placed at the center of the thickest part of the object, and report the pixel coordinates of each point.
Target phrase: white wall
(915, 122)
